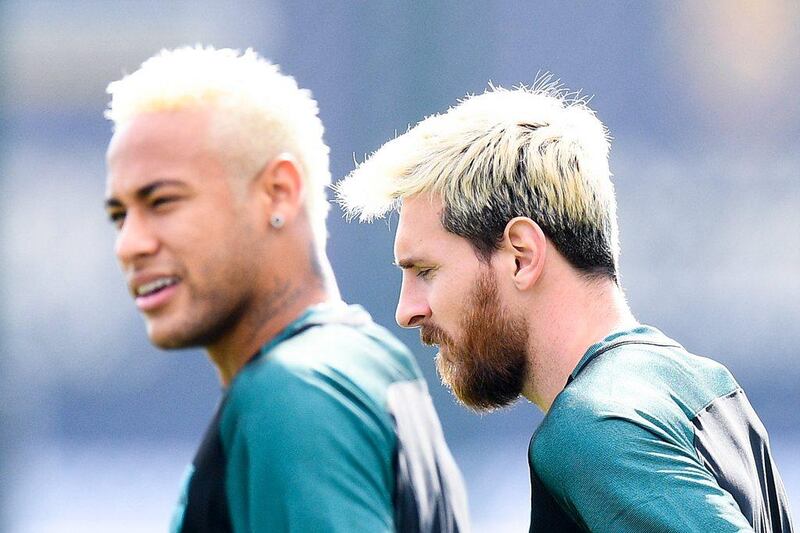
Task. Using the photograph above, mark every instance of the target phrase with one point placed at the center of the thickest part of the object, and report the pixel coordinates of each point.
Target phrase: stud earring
(276, 221)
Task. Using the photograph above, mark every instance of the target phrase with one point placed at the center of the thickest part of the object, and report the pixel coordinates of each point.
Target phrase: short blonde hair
(532, 152)
(258, 112)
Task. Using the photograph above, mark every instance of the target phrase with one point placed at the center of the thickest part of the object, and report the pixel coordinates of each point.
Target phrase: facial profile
(452, 295)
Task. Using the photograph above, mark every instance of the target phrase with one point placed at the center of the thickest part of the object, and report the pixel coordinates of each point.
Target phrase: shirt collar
(328, 312)
(641, 334)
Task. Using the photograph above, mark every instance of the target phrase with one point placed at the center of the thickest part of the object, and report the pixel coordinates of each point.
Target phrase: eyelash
(425, 273)
(161, 200)
(116, 218)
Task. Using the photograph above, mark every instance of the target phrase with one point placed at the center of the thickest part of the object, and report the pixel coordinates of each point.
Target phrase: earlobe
(526, 241)
(276, 220)
(281, 185)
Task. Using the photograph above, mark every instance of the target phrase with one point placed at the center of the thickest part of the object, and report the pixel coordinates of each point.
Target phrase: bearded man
(507, 241)
(216, 184)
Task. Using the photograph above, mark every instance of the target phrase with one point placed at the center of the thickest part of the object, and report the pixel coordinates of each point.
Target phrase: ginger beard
(487, 366)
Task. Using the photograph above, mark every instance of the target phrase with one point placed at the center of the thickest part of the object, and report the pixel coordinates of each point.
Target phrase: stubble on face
(206, 237)
(219, 303)
(486, 367)
(228, 290)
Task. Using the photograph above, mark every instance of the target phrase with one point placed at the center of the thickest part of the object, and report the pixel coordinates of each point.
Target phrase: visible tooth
(153, 286)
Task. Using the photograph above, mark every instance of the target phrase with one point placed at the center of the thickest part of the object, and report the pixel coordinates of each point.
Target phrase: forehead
(157, 146)
(420, 234)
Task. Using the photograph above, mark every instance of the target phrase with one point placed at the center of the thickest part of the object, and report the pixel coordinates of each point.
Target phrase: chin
(166, 338)
(165, 342)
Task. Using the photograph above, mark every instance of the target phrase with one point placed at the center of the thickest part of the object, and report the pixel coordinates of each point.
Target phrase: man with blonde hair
(216, 184)
(507, 241)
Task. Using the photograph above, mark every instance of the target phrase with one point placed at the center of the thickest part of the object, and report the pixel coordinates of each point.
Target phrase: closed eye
(162, 200)
(425, 273)
(116, 218)
(414, 266)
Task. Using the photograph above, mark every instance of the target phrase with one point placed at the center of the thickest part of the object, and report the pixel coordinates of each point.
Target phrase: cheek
(213, 252)
(446, 300)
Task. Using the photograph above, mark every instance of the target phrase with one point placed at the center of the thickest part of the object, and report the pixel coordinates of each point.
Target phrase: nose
(412, 306)
(134, 239)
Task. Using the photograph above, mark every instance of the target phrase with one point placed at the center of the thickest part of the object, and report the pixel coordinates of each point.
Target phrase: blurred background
(97, 426)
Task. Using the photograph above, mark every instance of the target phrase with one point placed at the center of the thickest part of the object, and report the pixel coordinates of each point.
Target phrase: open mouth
(155, 294)
(155, 286)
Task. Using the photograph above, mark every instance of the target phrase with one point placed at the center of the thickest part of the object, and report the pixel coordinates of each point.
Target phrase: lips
(154, 286)
(153, 292)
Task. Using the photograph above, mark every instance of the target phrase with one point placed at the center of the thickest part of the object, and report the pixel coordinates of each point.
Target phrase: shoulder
(331, 373)
(663, 380)
(350, 341)
(627, 410)
(308, 418)
(616, 450)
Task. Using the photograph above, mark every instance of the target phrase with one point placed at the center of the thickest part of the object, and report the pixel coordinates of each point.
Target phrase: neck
(578, 314)
(279, 306)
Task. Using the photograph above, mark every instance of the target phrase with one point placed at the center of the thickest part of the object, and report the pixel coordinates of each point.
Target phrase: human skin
(185, 223)
(482, 346)
(563, 311)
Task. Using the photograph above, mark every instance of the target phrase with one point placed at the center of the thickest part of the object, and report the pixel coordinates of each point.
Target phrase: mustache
(431, 335)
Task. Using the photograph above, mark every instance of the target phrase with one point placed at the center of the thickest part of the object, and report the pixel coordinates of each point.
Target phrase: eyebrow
(144, 191)
(407, 263)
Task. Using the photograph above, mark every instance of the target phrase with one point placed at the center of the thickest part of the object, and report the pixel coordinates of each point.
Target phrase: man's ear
(526, 242)
(280, 186)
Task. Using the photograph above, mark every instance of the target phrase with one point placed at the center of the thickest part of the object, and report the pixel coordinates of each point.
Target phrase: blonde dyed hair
(534, 152)
(258, 112)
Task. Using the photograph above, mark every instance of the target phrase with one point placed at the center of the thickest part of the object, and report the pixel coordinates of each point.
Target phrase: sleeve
(306, 455)
(631, 473)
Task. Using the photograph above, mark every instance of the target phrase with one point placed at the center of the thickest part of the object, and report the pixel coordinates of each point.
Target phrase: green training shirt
(328, 428)
(648, 437)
